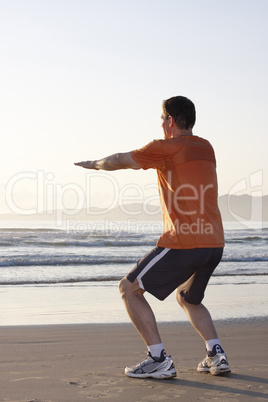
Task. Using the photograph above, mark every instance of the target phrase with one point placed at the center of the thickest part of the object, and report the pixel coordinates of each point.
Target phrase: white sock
(211, 343)
(155, 350)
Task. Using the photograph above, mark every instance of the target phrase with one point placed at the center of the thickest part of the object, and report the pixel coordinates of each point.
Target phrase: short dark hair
(182, 110)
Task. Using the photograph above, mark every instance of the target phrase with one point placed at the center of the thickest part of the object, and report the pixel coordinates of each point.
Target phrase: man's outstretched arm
(112, 162)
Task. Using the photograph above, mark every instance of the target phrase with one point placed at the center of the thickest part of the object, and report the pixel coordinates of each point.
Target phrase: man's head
(182, 110)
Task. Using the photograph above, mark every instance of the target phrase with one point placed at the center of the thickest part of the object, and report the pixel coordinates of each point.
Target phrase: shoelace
(145, 360)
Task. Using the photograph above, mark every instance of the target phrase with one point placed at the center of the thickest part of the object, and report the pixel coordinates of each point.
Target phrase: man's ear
(171, 121)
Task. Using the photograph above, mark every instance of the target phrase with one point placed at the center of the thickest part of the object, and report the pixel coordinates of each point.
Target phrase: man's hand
(87, 165)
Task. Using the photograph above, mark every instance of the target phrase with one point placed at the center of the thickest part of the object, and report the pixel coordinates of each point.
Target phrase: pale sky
(82, 79)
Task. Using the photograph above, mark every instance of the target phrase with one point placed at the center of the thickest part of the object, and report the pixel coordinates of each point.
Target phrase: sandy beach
(63, 363)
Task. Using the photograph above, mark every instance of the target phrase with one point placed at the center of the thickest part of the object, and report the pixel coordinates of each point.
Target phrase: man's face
(165, 124)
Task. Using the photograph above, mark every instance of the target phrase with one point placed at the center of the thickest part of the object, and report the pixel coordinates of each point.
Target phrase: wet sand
(63, 363)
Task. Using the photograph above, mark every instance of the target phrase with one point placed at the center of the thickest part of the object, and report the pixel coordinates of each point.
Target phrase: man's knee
(180, 299)
(126, 287)
(123, 286)
(195, 301)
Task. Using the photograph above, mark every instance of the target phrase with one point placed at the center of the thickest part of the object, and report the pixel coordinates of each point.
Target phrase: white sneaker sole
(159, 375)
(221, 370)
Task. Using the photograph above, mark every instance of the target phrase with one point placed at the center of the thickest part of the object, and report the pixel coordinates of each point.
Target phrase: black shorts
(163, 270)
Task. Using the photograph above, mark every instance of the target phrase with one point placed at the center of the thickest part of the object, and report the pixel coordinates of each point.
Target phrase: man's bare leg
(200, 318)
(157, 366)
(139, 311)
(215, 361)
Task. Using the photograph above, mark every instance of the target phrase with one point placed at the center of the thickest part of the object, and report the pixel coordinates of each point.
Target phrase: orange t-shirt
(187, 182)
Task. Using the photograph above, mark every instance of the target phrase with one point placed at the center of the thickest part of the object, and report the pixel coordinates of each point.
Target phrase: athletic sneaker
(153, 367)
(215, 362)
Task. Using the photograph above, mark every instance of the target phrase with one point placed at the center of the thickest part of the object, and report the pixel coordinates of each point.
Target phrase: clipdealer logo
(252, 185)
(51, 198)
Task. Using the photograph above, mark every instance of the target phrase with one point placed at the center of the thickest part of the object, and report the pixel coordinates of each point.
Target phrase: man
(192, 242)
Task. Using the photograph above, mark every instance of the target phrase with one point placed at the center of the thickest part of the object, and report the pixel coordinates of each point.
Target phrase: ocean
(52, 275)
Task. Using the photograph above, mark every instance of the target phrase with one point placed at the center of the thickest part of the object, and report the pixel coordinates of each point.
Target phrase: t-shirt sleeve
(151, 156)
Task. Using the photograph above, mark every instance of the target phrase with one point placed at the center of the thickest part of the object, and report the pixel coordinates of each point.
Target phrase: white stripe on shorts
(150, 265)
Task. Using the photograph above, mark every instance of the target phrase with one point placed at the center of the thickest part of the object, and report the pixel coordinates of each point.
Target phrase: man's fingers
(80, 164)
(87, 164)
